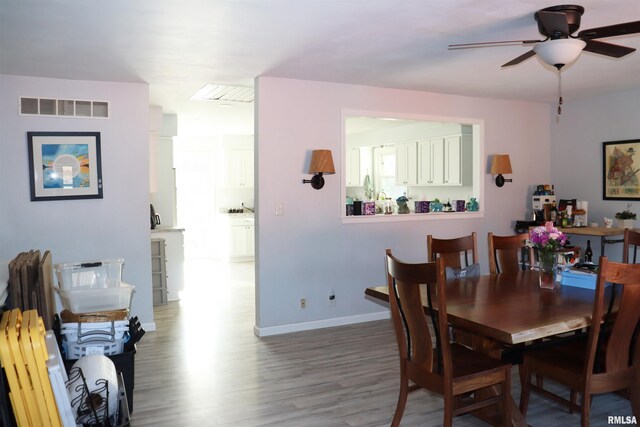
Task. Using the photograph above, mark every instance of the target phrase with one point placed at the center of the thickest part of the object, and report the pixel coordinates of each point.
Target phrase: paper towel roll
(96, 368)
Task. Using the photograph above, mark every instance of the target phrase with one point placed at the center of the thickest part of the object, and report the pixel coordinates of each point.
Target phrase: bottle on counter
(554, 214)
(588, 253)
(564, 221)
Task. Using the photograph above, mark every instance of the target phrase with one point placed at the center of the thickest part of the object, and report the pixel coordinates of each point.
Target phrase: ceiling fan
(560, 46)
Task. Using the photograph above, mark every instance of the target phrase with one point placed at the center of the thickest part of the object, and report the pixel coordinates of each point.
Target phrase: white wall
(308, 251)
(74, 230)
(576, 154)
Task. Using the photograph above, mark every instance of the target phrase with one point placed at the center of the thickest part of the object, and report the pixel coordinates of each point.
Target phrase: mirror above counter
(433, 163)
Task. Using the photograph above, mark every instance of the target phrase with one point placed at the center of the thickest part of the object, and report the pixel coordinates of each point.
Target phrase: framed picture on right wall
(621, 170)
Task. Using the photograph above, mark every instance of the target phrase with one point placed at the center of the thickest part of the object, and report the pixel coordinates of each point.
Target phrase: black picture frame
(621, 170)
(64, 165)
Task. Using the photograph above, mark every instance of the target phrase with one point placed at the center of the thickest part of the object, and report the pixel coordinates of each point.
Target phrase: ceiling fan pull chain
(559, 91)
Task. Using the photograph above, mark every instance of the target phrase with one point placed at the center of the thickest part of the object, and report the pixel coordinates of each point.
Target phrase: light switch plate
(279, 209)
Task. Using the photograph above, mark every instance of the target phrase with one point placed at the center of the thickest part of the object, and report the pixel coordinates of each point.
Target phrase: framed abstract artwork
(621, 168)
(64, 165)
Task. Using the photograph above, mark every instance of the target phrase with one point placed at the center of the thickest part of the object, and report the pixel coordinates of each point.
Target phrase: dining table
(509, 309)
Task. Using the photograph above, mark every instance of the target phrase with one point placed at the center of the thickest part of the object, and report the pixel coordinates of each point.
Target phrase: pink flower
(547, 237)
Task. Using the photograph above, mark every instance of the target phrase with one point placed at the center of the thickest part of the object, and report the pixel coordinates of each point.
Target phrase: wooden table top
(511, 308)
(593, 231)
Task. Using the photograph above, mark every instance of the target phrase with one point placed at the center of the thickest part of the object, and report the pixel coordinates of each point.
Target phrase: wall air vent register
(63, 108)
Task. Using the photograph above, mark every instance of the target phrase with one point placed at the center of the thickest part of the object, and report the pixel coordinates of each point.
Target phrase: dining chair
(450, 370)
(456, 253)
(453, 251)
(602, 361)
(631, 243)
(509, 254)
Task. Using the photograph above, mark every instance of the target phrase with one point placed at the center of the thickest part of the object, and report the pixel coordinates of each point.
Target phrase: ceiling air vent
(211, 92)
(63, 108)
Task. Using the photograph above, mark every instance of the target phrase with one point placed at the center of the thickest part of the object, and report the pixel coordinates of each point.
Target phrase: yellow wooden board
(32, 341)
(17, 397)
(23, 355)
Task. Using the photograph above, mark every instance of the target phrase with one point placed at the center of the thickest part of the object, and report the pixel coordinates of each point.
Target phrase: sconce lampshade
(500, 163)
(321, 162)
(559, 52)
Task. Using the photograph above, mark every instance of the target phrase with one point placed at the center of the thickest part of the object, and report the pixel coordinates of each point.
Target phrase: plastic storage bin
(82, 339)
(93, 300)
(89, 275)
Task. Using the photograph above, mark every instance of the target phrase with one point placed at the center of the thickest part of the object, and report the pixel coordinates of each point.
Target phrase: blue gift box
(579, 279)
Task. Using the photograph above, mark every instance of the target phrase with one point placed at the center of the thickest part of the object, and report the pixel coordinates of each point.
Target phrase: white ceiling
(178, 46)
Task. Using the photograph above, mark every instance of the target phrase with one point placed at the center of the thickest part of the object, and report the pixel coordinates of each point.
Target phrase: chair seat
(568, 356)
(565, 357)
(466, 363)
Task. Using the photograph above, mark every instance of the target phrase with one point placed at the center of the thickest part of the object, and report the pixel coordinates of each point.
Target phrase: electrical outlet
(332, 297)
(303, 303)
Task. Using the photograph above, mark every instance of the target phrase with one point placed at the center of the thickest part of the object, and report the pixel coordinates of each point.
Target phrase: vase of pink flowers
(547, 240)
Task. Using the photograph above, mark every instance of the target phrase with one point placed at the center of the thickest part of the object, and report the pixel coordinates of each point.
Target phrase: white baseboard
(148, 327)
(319, 324)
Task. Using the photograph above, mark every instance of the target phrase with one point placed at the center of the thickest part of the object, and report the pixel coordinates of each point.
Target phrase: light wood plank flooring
(205, 367)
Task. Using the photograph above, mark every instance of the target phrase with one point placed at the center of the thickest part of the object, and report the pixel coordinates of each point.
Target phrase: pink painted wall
(308, 250)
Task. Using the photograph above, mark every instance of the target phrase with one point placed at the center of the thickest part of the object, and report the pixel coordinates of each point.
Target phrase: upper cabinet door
(437, 161)
(442, 161)
(453, 161)
(424, 162)
(247, 168)
(407, 163)
(238, 168)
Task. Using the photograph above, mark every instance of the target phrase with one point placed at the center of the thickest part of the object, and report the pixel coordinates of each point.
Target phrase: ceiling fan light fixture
(559, 52)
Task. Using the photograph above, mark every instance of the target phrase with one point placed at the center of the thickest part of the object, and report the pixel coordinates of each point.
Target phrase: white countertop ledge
(365, 219)
(167, 229)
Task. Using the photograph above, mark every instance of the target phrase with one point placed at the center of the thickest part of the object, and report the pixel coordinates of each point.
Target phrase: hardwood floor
(205, 367)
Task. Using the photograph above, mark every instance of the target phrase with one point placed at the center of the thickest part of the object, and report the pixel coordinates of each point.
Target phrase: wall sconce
(501, 164)
(321, 162)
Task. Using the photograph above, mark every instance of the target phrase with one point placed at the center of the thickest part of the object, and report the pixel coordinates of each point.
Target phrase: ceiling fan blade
(554, 23)
(608, 49)
(520, 58)
(610, 31)
(492, 44)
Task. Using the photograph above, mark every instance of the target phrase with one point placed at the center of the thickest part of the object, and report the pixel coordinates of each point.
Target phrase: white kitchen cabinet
(354, 178)
(158, 272)
(407, 163)
(452, 161)
(173, 251)
(431, 161)
(240, 238)
(458, 163)
(442, 161)
(238, 168)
